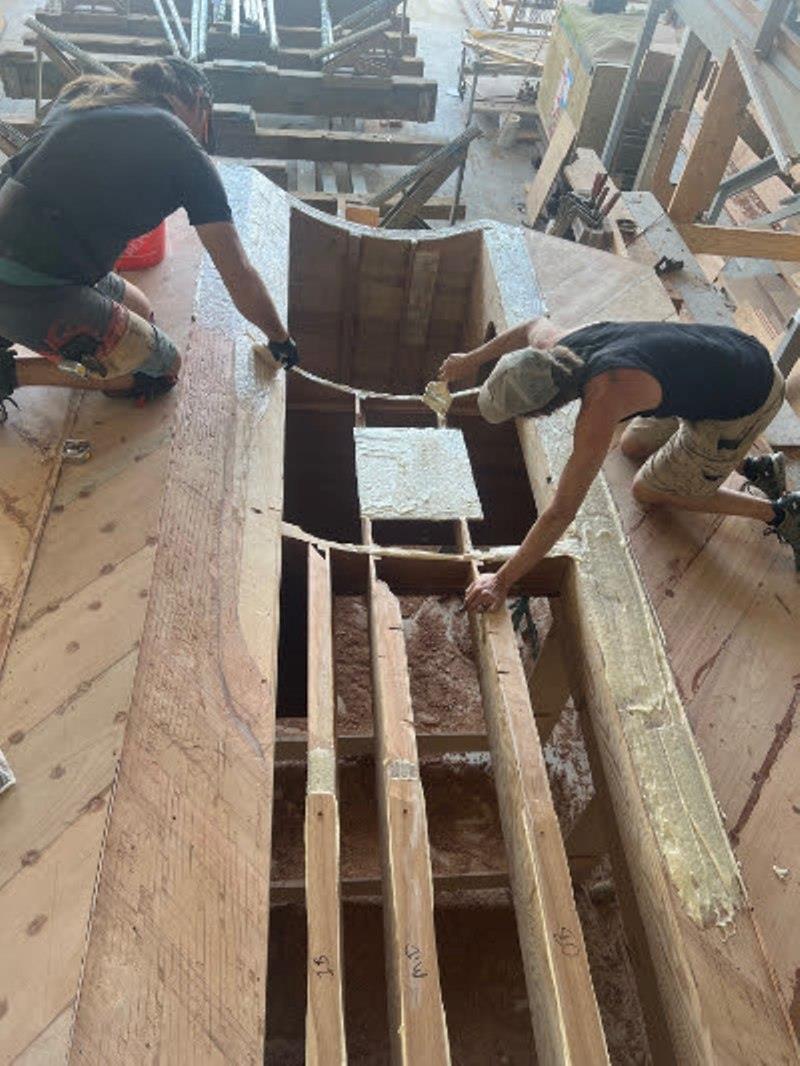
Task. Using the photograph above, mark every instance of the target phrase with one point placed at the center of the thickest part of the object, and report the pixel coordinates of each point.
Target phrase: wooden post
(416, 1011)
(709, 156)
(325, 1033)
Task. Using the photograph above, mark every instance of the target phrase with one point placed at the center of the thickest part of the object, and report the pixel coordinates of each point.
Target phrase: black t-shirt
(94, 178)
(705, 372)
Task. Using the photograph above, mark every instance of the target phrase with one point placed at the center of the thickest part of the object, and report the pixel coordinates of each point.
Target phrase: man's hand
(455, 366)
(285, 352)
(486, 593)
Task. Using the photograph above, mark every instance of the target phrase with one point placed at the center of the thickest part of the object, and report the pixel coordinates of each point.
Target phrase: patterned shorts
(85, 326)
(694, 458)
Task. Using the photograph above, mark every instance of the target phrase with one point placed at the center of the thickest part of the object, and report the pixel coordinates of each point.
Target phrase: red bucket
(145, 251)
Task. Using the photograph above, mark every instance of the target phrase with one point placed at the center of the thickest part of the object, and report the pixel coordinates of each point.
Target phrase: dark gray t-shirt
(705, 372)
(89, 180)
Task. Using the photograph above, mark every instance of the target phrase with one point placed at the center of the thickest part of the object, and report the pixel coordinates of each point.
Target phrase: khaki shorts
(694, 458)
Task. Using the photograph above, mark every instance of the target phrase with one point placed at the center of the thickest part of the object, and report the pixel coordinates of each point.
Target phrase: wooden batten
(416, 1012)
(564, 1012)
(325, 1034)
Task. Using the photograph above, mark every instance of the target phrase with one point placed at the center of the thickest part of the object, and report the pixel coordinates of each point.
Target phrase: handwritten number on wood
(567, 941)
(322, 966)
(415, 955)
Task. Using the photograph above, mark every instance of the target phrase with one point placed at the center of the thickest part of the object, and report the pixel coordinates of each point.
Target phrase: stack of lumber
(271, 91)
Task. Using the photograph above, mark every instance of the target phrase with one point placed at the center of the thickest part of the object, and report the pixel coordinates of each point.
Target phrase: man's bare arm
(594, 430)
(461, 364)
(243, 282)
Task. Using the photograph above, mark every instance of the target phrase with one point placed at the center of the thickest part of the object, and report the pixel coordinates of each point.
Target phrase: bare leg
(38, 371)
(136, 301)
(723, 501)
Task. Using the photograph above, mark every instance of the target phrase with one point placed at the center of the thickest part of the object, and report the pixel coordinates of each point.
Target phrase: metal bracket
(76, 451)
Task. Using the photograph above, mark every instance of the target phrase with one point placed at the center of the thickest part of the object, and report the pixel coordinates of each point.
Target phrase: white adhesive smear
(415, 474)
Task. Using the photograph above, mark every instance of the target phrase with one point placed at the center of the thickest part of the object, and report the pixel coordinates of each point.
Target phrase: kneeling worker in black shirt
(114, 158)
(697, 396)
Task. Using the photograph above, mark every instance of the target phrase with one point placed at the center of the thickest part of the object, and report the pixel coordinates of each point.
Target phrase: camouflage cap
(521, 383)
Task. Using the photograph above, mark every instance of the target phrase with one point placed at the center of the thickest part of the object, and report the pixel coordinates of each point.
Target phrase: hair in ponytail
(150, 82)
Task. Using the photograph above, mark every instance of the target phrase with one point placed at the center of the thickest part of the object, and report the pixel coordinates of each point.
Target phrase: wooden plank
(416, 1012)
(325, 1035)
(363, 214)
(65, 693)
(712, 148)
(557, 151)
(660, 184)
(566, 1020)
(239, 136)
(742, 242)
(181, 915)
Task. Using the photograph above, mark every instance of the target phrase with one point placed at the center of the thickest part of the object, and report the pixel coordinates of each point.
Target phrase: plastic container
(145, 251)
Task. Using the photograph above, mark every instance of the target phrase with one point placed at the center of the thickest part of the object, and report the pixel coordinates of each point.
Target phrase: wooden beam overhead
(325, 1035)
(416, 1012)
(705, 167)
(741, 242)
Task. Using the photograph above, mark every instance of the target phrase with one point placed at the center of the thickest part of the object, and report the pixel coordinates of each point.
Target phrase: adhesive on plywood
(414, 474)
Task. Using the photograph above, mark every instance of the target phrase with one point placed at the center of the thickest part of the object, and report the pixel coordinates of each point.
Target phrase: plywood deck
(67, 684)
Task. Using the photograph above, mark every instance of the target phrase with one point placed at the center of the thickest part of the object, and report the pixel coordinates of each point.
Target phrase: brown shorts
(694, 458)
